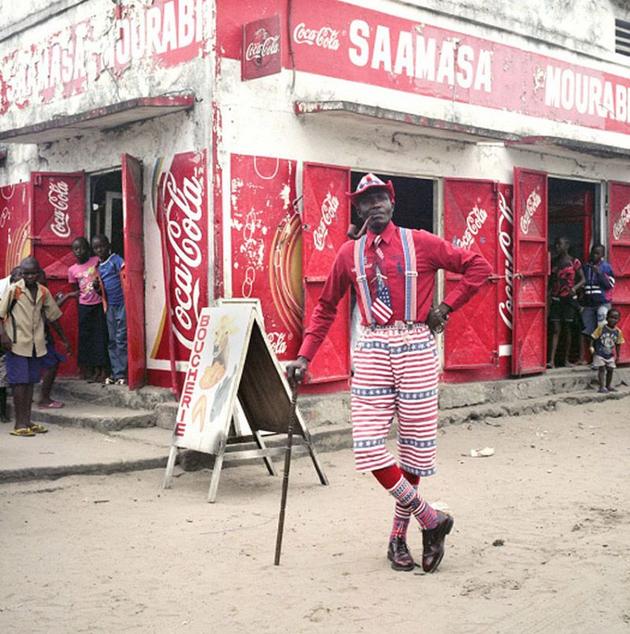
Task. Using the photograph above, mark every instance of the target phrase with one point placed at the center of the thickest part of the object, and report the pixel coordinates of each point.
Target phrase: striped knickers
(396, 374)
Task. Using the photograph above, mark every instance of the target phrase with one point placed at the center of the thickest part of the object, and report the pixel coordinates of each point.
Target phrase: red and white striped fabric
(396, 374)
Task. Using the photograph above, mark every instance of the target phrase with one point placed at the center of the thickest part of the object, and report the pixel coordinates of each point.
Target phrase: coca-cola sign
(182, 218)
(622, 222)
(329, 208)
(531, 206)
(58, 197)
(261, 53)
(323, 37)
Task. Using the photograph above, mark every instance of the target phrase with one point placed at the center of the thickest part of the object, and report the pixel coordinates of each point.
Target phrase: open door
(531, 268)
(324, 224)
(619, 256)
(56, 217)
(133, 279)
(471, 340)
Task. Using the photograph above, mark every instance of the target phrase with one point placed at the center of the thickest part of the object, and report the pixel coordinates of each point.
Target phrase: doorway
(571, 207)
(106, 208)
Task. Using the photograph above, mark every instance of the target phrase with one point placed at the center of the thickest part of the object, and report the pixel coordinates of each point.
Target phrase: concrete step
(92, 416)
(147, 398)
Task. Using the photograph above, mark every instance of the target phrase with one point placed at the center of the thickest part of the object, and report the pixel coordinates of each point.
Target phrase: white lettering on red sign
(474, 221)
(58, 197)
(505, 244)
(622, 222)
(330, 206)
(324, 37)
(68, 62)
(259, 50)
(278, 341)
(182, 213)
(414, 55)
(531, 206)
(586, 94)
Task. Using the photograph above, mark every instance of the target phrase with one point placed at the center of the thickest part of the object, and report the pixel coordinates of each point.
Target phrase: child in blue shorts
(23, 311)
(110, 267)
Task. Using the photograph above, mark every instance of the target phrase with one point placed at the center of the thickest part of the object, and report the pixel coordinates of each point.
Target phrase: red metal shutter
(531, 268)
(57, 217)
(325, 222)
(470, 220)
(619, 256)
(133, 279)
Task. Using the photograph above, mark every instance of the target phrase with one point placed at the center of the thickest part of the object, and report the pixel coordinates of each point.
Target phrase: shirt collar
(387, 235)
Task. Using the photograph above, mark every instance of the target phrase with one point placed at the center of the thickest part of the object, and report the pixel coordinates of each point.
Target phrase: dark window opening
(414, 201)
(106, 209)
(571, 206)
(622, 37)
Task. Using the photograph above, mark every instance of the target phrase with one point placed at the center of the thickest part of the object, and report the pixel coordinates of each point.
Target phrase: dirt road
(117, 554)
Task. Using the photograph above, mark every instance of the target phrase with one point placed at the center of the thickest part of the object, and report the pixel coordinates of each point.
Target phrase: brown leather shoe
(399, 555)
(433, 542)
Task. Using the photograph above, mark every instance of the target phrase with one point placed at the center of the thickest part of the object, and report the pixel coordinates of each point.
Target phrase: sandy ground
(117, 554)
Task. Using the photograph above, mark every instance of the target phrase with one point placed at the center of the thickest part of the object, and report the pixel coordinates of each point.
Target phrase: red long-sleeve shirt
(432, 253)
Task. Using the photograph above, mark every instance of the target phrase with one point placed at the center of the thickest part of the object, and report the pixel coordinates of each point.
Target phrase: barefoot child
(92, 357)
(110, 268)
(606, 341)
(23, 309)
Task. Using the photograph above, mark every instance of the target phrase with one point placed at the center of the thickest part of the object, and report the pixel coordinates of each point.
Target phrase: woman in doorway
(566, 280)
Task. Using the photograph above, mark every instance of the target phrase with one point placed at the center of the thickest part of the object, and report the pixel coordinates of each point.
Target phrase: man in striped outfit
(395, 360)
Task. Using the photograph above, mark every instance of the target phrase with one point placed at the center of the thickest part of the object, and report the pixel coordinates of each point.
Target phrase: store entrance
(106, 208)
(571, 207)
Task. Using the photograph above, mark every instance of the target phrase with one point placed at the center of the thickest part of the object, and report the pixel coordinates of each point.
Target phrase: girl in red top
(567, 278)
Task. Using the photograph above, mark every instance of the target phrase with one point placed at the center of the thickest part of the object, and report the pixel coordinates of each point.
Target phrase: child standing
(24, 309)
(607, 339)
(110, 268)
(92, 358)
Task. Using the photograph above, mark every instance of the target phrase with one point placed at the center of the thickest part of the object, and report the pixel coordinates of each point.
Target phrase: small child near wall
(606, 342)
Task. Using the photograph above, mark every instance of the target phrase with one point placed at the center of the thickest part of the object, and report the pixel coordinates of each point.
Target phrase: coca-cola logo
(329, 208)
(58, 197)
(263, 45)
(531, 206)
(183, 211)
(506, 222)
(474, 221)
(622, 222)
(324, 37)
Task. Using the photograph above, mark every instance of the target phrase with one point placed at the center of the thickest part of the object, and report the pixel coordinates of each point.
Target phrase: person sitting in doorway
(606, 343)
(567, 278)
(110, 268)
(92, 358)
(24, 309)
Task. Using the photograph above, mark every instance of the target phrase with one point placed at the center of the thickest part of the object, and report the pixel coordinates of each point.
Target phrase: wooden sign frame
(232, 370)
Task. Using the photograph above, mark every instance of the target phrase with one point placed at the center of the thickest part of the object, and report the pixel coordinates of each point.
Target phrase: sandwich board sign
(233, 372)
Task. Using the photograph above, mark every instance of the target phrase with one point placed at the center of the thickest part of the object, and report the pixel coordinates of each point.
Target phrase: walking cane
(287, 468)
